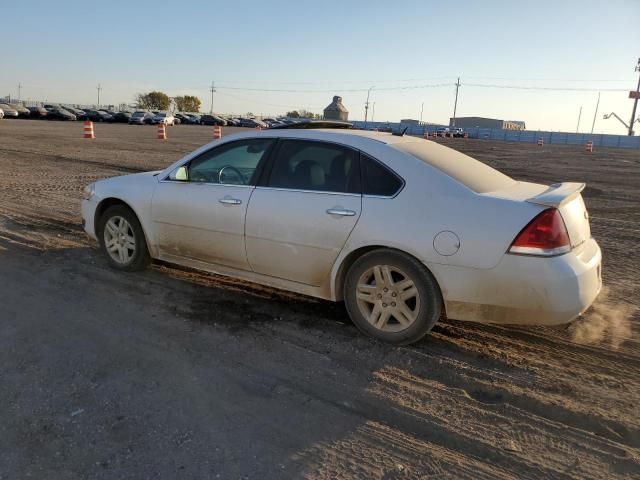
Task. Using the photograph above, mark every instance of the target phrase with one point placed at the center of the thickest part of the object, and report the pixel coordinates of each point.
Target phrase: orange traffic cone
(88, 129)
(425, 135)
(589, 146)
(258, 127)
(162, 132)
(541, 142)
(217, 132)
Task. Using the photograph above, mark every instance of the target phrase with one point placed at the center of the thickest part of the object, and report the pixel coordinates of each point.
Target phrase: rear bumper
(525, 290)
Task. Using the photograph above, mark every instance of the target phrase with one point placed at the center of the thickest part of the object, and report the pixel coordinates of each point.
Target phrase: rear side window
(378, 179)
(316, 166)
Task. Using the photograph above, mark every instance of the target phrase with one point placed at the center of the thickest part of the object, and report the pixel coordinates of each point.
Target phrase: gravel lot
(176, 374)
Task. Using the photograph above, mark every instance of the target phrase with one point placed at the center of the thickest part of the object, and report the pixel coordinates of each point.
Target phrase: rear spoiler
(558, 194)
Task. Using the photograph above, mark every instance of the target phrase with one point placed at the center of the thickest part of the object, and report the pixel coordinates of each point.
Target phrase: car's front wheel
(391, 296)
(122, 239)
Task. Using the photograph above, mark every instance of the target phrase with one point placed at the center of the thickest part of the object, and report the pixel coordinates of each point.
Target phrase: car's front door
(199, 210)
(299, 220)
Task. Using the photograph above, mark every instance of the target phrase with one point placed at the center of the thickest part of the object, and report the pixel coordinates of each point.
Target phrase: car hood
(114, 185)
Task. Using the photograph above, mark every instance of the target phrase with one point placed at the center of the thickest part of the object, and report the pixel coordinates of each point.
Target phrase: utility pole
(421, 110)
(373, 111)
(99, 87)
(212, 89)
(366, 106)
(635, 102)
(595, 113)
(579, 115)
(455, 105)
(19, 90)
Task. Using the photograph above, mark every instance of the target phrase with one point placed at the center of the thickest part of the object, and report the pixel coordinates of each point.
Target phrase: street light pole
(635, 102)
(373, 111)
(366, 106)
(421, 110)
(99, 87)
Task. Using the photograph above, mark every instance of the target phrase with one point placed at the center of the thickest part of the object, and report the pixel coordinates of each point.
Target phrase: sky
(268, 57)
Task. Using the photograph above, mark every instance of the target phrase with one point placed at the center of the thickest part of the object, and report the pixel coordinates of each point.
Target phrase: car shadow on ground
(171, 373)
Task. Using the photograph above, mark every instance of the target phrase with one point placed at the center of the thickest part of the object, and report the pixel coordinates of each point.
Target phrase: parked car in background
(9, 111)
(59, 113)
(442, 132)
(252, 123)
(98, 116)
(232, 122)
(163, 117)
(324, 213)
(80, 114)
(23, 111)
(212, 120)
(122, 117)
(37, 112)
(186, 118)
(195, 118)
(140, 117)
(457, 132)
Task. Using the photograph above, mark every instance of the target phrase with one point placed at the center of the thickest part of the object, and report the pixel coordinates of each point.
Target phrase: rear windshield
(468, 171)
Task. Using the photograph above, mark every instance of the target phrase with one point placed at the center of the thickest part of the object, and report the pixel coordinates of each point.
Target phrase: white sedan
(403, 230)
(163, 117)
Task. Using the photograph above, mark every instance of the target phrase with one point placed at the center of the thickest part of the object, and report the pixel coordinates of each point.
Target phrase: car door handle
(341, 211)
(230, 201)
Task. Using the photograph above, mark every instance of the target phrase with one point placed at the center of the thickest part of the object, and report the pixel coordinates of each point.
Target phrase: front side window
(317, 166)
(231, 164)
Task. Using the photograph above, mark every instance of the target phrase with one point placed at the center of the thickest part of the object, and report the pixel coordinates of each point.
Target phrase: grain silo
(336, 111)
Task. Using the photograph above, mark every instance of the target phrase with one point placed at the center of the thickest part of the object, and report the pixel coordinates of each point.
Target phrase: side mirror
(180, 174)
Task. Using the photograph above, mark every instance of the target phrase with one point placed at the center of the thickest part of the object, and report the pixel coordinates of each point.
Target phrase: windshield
(468, 171)
(139, 114)
(161, 115)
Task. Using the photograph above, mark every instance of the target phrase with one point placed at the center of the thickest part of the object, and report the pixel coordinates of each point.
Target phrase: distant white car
(1, 113)
(8, 110)
(402, 229)
(163, 117)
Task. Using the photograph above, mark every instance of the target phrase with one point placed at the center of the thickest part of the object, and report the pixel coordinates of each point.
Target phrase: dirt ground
(174, 374)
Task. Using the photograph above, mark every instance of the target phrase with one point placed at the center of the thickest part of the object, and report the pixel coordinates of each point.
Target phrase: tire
(400, 311)
(137, 254)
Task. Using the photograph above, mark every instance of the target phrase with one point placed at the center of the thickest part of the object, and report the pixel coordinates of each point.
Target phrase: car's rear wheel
(122, 239)
(391, 296)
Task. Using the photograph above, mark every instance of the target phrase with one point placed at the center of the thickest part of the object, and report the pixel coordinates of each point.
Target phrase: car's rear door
(201, 217)
(303, 211)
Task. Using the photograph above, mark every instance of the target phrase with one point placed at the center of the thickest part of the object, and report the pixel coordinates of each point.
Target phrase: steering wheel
(238, 172)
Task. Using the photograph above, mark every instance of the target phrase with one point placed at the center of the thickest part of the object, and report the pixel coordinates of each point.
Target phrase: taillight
(545, 235)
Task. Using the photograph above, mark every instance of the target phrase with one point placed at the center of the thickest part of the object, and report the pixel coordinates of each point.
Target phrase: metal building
(482, 122)
(336, 111)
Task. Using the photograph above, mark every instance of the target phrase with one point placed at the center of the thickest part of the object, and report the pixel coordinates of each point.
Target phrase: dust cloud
(607, 322)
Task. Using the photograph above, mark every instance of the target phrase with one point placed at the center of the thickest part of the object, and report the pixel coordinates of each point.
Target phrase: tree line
(161, 101)
(189, 103)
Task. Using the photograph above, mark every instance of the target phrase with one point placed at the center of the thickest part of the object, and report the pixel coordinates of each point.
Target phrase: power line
(251, 100)
(557, 89)
(425, 86)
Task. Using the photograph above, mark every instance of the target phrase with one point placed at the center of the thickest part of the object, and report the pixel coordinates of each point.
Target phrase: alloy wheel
(388, 298)
(119, 240)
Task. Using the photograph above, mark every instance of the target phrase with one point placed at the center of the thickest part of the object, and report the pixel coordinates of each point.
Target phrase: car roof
(341, 134)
